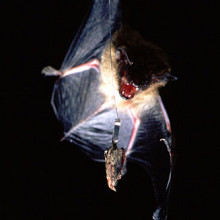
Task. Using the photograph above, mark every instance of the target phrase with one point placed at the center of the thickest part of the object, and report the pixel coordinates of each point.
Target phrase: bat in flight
(109, 81)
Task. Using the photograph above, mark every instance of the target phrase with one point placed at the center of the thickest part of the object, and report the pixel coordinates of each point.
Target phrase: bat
(107, 97)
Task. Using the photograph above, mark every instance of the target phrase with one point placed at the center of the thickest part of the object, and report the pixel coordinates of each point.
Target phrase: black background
(45, 179)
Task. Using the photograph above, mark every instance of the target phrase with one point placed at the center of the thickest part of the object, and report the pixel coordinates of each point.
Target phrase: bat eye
(145, 84)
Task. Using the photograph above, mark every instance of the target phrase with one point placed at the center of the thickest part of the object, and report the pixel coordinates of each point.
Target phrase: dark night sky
(46, 179)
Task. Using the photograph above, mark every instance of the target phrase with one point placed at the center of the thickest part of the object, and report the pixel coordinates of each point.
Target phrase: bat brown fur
(152, 62)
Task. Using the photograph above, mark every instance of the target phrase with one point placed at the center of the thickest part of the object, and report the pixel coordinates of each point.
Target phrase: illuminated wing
(93, 35)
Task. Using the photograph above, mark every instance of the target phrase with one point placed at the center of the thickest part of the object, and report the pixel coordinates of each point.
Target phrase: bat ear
(118, 55)
(166, 77)
(121, 56)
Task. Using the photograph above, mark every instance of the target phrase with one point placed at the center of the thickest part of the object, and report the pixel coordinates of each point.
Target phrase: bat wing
(76, 98)
(93, 35)
(149, 151)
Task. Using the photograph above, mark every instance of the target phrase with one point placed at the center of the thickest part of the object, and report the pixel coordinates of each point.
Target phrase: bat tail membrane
(50, 71)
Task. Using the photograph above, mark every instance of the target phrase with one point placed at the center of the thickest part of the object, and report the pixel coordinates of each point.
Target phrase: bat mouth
(127, 89)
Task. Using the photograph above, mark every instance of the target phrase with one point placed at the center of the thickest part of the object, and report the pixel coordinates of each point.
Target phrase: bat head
(139, 64)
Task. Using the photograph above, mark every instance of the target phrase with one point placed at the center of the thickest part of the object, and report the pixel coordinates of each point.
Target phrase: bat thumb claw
(50, 71)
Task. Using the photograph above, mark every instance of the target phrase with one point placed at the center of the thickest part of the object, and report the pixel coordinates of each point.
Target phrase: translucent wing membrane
(93, 34)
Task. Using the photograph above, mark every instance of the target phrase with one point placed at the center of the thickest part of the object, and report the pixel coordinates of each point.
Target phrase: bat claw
(166, 143)
(50, 71)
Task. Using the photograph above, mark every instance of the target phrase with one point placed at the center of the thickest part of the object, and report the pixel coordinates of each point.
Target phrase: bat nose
(172, 78)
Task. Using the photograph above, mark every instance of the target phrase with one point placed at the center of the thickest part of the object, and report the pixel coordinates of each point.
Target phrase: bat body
(100, 73)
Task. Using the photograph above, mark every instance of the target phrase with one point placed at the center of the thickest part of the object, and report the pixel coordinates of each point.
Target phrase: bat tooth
(123, 92)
